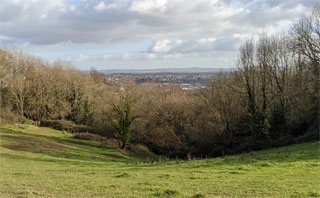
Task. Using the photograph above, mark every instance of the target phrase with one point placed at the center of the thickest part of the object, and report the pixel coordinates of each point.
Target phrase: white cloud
(161, 46)
(43, 16)
(72, 8)
(102, 6)
(148, 6)
(207, 40)
(81, 58)
(152, 56)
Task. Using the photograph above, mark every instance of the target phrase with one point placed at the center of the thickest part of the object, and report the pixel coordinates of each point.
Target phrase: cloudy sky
(136, 34)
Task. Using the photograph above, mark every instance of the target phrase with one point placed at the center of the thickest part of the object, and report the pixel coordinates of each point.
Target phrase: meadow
(42, 162)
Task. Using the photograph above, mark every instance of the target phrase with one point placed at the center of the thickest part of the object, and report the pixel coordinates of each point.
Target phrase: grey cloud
(44, 22)
(289, 4)
(263, 13)
(9, 12)
(186, 28)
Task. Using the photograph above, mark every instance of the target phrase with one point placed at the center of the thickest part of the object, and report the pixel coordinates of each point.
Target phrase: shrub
(8, 117)
(140, 149)
(95, 137)
(89, 136)
(65, 125)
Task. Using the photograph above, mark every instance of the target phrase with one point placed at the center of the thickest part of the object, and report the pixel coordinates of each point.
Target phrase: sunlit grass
(41, 162)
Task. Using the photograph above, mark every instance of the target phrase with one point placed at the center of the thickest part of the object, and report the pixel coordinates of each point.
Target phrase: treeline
(271, 100)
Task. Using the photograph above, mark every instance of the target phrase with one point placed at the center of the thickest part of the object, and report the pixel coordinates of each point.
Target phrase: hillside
(41, 162)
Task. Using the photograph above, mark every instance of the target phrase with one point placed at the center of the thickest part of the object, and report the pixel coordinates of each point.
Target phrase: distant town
(187, 78)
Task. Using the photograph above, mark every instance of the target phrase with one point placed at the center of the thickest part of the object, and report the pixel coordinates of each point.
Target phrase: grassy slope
(41, 162)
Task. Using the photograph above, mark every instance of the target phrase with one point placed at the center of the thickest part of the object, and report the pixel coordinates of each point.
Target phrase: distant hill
(167, 70)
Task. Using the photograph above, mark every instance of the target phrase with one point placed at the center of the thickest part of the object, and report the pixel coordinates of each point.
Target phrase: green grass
(41, 162)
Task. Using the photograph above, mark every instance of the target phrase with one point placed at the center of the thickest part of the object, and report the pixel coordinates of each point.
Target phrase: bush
(8, 117)
(89, 136)
(65, 125)
(96, 137)
(251, 132)
(140, 149)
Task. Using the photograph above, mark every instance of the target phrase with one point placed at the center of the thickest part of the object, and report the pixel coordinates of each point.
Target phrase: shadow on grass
(265, 158)
(54, 160)
(287, 154)
(60, 147)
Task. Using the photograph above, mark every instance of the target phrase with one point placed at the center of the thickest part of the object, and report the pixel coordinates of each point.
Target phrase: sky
(142, 34)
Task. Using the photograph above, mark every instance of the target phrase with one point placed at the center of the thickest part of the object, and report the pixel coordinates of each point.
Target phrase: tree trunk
(123, 147)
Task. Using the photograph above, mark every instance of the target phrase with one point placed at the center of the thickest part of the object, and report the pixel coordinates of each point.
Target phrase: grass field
(41, 162)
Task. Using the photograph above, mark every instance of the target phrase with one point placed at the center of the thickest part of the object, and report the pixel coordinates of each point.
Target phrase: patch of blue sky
(72, 2)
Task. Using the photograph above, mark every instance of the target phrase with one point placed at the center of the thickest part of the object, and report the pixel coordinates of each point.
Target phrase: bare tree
(305, 34)
(263, 56)
(222, 98)
(246, 66)
(5, 59)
